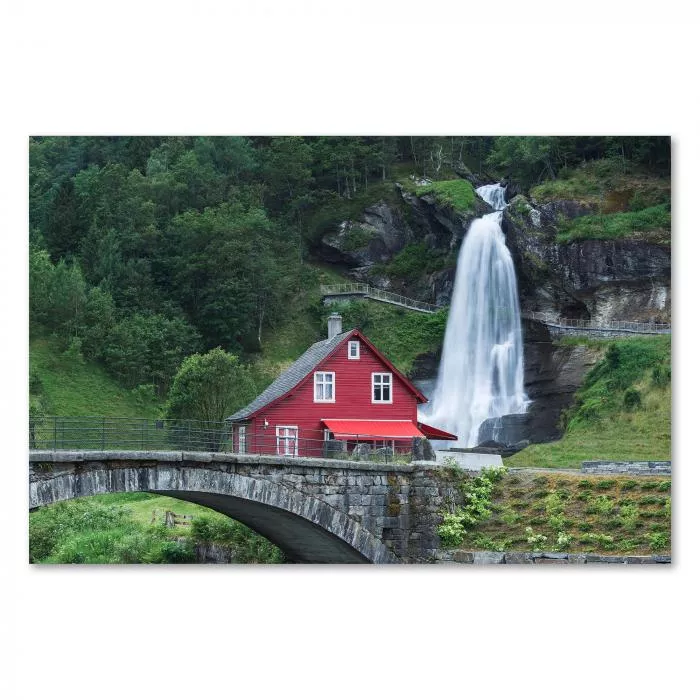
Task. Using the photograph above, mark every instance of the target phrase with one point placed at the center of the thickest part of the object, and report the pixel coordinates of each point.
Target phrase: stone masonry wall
(637, 468)
(462, 557)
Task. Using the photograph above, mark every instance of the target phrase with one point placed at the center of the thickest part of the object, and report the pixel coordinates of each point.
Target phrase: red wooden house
(341, 389)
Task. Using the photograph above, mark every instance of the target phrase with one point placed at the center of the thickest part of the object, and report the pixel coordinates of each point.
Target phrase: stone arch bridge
(314, 510)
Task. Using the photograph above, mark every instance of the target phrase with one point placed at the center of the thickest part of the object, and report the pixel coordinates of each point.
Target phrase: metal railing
(586, 324)
(352, 288)
(59, 433)
(103, 433)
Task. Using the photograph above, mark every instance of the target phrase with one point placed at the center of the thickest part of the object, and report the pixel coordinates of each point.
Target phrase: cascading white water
(481, 371)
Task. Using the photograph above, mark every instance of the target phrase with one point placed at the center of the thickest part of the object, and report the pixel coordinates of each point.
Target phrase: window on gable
(381, 387)
(354, 350)
(324, 387)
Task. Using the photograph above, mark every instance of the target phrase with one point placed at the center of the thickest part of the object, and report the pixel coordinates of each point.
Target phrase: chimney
(335, 325)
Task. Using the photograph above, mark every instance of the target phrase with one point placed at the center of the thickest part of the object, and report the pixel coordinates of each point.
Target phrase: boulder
(422, 450)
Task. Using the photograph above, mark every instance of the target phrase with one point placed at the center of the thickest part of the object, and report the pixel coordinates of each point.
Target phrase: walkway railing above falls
(364, 290)
(588, 325)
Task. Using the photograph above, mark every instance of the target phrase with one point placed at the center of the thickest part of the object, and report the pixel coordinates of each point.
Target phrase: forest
(146, 250)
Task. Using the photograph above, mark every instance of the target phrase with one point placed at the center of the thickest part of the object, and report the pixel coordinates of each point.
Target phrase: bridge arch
(305, 528)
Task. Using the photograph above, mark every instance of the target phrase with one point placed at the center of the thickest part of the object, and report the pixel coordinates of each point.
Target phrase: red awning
(387, 429)
(435, 433)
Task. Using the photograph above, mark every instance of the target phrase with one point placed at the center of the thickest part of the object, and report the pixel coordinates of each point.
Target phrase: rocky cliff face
(364, 246)
(601, 280)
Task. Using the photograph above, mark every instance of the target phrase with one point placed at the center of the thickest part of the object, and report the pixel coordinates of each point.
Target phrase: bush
(661, 375)
(632, 399)
(658, 540)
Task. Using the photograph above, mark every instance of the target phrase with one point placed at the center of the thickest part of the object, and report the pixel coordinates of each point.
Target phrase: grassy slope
(629, 202)
(619, 515)
(600, 427)
(73, 387)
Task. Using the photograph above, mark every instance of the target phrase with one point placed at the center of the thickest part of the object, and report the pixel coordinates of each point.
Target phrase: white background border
(347, 68)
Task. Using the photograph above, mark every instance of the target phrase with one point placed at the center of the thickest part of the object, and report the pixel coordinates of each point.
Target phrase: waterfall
(481, 371)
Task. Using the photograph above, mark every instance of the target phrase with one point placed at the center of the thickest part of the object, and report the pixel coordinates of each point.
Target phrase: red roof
(435, 433)
(390, 429)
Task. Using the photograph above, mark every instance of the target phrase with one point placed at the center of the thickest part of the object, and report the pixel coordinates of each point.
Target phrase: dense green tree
(210, 387)
(147, 349)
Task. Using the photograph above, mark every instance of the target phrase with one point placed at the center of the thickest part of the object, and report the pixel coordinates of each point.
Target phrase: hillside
(145, 250)
(560, 512)
(621, 412)
(68, 385)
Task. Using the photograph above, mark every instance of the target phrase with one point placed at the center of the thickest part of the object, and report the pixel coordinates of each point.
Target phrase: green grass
(598, 425)
(622, 521)
(400, 334)
(458, 194)
(608, 184)
(653, 224)
(120, 528)
(71, 386)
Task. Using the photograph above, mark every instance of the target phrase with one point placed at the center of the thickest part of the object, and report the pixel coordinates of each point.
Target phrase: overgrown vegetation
(414, 260)
(558, 512)
(477, 492)
(118, 529)
(653, 224)
(400, 334)
(621, 412)
(458, 194)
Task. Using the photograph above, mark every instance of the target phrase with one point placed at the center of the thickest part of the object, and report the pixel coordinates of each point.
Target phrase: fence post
(55, 419)
(104, 419)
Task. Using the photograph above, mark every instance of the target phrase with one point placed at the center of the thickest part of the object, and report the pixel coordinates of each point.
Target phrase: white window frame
(324, 383)
(354, 344)
(241, 439)
(381, 383)
(283, 439)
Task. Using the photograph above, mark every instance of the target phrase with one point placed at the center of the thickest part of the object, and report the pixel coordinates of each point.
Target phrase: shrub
(629, 484)
(535, 541)
(451, 531)
(629, 514)
(605, 484)
(658, 540)
(606, 542)
(603, 505)
(661, 375)
(664, 486)
(632, 399)
(563, 541)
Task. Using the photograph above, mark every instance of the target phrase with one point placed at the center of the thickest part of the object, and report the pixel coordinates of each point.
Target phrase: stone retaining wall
(637, 468)
(461, 557)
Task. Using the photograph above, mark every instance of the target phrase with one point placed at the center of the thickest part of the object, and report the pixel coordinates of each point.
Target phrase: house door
(287, 440)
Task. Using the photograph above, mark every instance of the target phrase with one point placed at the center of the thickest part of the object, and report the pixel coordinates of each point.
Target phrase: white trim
(324, 383)
(391, 387)
(286, 438)
(353, 344)
(241, 439)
